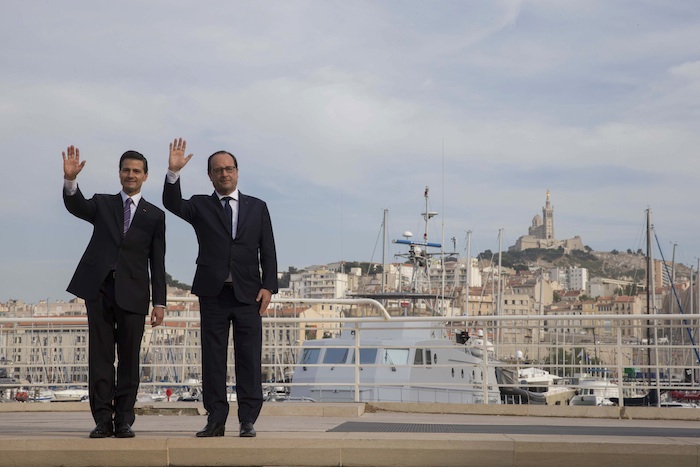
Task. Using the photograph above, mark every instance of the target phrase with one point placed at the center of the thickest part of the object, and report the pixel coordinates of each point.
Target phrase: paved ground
(56, 434)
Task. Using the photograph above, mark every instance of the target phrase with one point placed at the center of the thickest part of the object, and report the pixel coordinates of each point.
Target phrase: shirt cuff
(172, 177)
(70, 187)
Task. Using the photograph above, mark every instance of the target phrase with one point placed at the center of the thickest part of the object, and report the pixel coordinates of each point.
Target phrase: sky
(338, 111)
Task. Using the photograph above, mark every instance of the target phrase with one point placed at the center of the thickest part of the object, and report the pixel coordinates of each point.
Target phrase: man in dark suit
(236, 243)
(113, 279)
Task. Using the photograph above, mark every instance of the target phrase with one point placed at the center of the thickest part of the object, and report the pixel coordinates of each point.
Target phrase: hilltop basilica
(541, 234)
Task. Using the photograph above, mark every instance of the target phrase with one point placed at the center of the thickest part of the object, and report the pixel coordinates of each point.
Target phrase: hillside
(613, 265)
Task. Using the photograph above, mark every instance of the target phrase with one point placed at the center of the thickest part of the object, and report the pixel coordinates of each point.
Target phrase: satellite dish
(408, 234)
(519, 354)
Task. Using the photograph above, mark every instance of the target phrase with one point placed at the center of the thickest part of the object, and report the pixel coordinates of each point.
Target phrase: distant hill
(170, 282)
(614, 264)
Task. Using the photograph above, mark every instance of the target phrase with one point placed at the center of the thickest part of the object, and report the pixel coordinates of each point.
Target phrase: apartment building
(319, 284)
(571, 278)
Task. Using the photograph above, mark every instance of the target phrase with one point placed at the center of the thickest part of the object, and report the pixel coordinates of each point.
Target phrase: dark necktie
(229, 212)
(127, 214)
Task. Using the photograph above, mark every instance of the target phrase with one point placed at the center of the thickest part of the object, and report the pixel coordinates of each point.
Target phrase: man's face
(132, 176)
(223, 174)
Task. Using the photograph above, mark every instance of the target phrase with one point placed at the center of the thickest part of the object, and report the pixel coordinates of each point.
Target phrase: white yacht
(71, 394)
(595, 391)
(533, 386)
(400, 361)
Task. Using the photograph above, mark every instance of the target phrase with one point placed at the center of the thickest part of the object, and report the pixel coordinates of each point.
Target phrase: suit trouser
(109, 326)
(217, 315)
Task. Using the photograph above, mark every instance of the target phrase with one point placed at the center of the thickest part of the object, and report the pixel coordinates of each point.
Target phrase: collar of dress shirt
(135, 198)
(233, 195)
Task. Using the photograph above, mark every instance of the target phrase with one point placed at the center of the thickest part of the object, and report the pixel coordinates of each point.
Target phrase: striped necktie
(127, 214)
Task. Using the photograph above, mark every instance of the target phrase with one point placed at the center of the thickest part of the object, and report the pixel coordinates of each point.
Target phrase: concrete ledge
(152, 409)
(84, 452)
(351, 409)
(268, 449)
(565, 411)
(292, 409)
(617, 453)
(310, 409)
(418, 450)
(349, 449)
(303, 438)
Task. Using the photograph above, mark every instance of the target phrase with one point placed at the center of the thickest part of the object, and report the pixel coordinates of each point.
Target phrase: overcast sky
(338, 110)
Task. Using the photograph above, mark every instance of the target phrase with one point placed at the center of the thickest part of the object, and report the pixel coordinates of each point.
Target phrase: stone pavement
(305, 434)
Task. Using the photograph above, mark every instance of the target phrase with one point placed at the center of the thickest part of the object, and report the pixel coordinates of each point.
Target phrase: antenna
(427, 215)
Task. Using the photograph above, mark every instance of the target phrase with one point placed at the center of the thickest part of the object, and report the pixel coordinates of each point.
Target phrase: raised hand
(177, 158)
(71, 163)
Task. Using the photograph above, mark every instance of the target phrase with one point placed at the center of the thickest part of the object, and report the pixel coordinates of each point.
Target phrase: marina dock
(358, 434)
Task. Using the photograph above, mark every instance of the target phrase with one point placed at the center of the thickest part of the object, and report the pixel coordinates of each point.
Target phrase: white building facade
(570, 278)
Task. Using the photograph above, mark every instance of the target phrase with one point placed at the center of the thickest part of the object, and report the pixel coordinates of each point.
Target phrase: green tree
(174, 283)
(486, 255)
(286, 277)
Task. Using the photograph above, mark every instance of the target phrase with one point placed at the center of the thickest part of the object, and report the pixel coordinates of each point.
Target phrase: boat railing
(639, 353)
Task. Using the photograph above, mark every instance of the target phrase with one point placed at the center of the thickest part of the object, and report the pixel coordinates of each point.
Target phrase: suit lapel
(141, 210)
(118, 213)
(242, 212)
(219, 209)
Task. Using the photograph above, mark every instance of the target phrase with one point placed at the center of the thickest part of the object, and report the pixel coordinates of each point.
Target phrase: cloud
(338, 110)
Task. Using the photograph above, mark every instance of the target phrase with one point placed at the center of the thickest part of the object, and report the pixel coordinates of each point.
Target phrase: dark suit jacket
(253, 248)
(130, 255)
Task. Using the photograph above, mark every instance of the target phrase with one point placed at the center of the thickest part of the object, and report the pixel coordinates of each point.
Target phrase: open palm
(177, 158)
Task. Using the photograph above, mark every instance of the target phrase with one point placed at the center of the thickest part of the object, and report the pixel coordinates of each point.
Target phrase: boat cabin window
(310, 356)
(418, 358)
(367, 356)
(422, 357)
(335, 355)
(395, 356)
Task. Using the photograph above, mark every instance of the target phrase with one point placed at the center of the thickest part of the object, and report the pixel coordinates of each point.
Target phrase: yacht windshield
(335, 356)
(310, 356)
(367, 356)
(395, 356)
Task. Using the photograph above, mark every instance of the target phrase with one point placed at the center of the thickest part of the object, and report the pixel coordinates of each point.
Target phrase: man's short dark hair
(137, 156)
(235, 162)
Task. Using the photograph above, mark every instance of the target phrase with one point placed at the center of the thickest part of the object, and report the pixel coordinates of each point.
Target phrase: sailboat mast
(650, 289)
(500, 249)
(466, 273)
(384, 240)
(539, 323)
(500, 286)
(426, 215)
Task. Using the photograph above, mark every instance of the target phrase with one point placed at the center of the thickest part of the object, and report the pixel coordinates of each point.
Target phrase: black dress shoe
(123, 430)
(102, 430)
(247, 430)
(212, 429)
